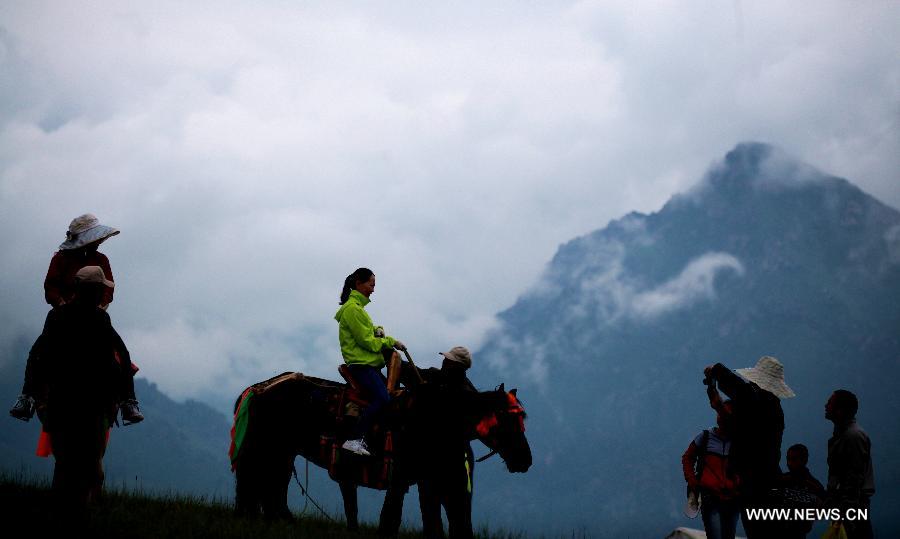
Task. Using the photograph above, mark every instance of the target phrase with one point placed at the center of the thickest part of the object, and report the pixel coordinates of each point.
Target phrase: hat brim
(450, 357)
(97, 233)
(769, 383)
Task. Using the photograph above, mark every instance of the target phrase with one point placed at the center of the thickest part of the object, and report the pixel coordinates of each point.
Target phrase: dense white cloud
(253, 154)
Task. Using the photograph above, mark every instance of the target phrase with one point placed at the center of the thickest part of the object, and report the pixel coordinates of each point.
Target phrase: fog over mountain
(765, 256)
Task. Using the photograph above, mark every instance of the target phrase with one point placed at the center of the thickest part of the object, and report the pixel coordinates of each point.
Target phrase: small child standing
(83, 238)
(807, 490)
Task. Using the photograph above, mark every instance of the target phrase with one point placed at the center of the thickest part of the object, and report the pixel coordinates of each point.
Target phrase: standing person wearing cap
(758, 428)
(451, 485)
(78, 364)
(851, 478)
(365, 349)
(446, 478)
(83, 238)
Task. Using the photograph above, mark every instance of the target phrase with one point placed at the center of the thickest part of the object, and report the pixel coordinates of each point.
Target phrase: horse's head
(503, 430)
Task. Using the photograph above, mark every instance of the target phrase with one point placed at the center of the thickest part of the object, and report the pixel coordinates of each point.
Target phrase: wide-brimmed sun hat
(459, 354)
(769, 375)
(86, 229)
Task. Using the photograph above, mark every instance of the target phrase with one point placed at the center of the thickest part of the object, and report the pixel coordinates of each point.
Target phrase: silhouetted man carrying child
(83, 238)
(78, 365)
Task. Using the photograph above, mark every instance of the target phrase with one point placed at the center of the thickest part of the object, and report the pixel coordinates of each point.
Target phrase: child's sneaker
(23, 408)
(131, 414)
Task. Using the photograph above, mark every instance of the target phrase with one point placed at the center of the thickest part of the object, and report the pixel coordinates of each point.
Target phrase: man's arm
(730, 383)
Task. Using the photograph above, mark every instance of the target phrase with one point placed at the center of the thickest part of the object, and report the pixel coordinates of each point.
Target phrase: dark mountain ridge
(765, 256)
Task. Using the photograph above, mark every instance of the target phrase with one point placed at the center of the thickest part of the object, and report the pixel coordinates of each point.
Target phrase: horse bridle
(490, 421)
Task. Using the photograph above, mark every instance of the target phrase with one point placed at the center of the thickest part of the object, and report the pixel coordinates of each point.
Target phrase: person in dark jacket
(758, 428)
(800, 479)
(83, 238)
(449, 484)
(851, 479)
(78, 363)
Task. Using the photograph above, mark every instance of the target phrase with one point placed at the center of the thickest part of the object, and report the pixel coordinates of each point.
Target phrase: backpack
(701, 455)
(722, 480)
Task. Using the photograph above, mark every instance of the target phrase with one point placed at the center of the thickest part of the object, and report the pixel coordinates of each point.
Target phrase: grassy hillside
(25, 507)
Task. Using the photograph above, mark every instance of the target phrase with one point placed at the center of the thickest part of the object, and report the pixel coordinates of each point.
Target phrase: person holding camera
(758, 427)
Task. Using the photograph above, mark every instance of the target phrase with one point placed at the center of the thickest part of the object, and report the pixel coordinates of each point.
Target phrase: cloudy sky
(255, 153)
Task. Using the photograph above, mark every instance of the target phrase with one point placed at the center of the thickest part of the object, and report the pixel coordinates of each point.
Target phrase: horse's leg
(392, 510)
(351, 509)
(277, 479)
(430, 505)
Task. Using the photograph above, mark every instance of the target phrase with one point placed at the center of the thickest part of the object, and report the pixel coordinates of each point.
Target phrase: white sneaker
(357, 446)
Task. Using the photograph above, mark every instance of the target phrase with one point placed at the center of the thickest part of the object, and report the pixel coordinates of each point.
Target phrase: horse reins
(489, 455)
(305, 492)
(416, 369)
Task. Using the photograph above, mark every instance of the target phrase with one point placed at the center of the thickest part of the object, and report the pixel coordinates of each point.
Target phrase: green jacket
(356, 332)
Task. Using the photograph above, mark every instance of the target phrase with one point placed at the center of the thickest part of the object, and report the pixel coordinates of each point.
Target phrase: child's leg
(126, 378)
(34, 387)
(33, 383)
(126, 385)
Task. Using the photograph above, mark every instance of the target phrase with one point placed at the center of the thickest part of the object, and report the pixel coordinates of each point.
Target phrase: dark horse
(293, 414)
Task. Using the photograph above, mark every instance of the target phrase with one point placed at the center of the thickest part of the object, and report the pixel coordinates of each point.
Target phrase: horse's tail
(239, 426)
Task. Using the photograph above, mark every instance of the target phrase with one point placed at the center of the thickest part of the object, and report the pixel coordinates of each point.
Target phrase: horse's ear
(502, 388)
(513, 391)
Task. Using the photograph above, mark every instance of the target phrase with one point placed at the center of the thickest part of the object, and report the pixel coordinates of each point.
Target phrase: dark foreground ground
(26, 511)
